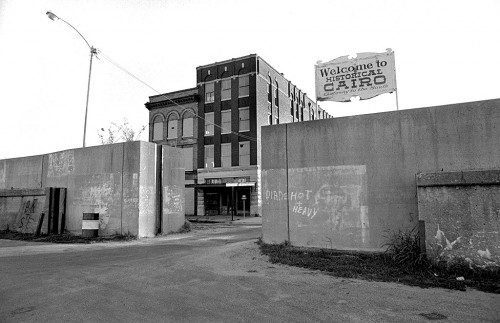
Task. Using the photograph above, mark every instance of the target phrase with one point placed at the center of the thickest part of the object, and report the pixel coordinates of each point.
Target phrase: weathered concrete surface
(391, 147)
(21, 212)
(117, 181)
(461, 211)
(208, 276)
(275, 228)
(93, 176)
(23, 172)
(173, 178)
(468, 177)
(147, 190)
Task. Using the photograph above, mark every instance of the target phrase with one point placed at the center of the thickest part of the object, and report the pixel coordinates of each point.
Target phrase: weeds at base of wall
(187, 227)
(63, 238)
(379, 267)
(403, 249)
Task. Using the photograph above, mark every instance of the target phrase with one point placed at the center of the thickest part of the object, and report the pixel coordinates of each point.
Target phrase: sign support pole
(396, 82)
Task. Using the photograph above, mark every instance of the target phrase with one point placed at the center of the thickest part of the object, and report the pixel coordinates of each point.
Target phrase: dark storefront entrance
(219, 200)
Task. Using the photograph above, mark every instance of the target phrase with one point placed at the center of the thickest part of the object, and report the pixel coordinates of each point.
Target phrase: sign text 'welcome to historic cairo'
(366, 76)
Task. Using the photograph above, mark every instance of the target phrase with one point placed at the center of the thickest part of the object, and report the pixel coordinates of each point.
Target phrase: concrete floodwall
(461, 211)
(347, 183)
(173, 177)
(116, 181)
(25, 172)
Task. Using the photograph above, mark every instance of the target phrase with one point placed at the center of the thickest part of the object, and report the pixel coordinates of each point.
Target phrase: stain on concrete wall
(462, 216)
(97, 197)
(3, 173)
(148, 191)
(21, 172)
(61, 163)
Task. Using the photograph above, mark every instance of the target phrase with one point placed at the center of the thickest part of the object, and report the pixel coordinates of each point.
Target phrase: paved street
(213, 274)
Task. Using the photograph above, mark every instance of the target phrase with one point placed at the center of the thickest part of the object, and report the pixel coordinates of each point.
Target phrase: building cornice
(227, 61)
(193, 98)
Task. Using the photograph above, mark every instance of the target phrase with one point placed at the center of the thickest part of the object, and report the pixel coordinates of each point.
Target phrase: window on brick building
(187, 125)
(158, 128)
(172, 127)
(244, 117)
(209, 156)
(209, 124)
(244, 153)
(226, 121)
(209, 92)
(276, 90)
(226, 89)
(270, 90)
(244, 86)
(187, 157)
(269, 114)
(225, 155)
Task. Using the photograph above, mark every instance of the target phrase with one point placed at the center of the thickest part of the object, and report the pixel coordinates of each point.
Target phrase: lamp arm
(77, 32)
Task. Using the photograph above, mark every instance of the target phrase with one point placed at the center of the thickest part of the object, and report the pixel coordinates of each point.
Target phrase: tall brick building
(217, 125)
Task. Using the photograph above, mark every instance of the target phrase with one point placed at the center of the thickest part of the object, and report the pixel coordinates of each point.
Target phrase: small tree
(119, 132)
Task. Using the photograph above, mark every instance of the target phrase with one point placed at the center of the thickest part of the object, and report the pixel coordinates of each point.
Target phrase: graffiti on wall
(28, 216)
(326, 204)
(97, 198)
(61, 163)
(469, 247)
(174, 202)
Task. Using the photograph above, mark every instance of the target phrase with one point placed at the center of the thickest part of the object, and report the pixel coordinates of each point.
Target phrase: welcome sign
(366, 76)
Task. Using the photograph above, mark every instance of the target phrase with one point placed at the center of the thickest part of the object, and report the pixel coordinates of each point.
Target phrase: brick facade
(269, 97)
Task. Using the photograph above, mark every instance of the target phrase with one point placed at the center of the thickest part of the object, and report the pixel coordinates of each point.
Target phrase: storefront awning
(245, 184)
(252, 184)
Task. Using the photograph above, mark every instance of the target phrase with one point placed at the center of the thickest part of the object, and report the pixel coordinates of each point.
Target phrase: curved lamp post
(93, 51)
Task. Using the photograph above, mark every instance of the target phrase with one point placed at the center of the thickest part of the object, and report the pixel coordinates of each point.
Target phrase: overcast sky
(446, 52)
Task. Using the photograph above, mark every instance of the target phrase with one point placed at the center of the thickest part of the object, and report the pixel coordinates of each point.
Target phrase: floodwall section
(147, 190)
(461, 211)
(173, 186)
(116, 181)
(25, 172)
(348, 183)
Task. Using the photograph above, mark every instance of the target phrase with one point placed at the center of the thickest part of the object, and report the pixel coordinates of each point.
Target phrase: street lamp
(93, 51)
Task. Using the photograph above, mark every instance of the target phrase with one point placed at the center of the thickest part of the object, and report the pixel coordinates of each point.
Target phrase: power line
(123, 69)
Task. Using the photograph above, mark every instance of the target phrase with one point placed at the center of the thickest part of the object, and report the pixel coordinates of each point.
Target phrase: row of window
(243, 89)
(226, 161)
(270, 115)
(172, 125)
(243, 116)
(243, 154)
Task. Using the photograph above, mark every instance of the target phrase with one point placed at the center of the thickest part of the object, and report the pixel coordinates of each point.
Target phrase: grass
(187, 227)
(62, 238)
(383, 267)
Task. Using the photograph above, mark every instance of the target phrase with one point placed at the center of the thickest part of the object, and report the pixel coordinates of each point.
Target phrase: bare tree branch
(119, 133)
